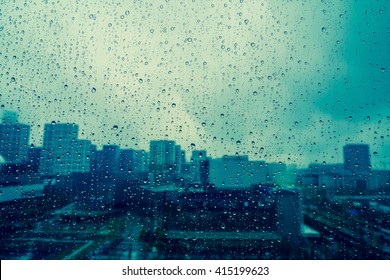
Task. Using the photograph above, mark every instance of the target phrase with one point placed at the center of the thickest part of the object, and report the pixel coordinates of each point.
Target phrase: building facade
(14, 139)
(63, 153)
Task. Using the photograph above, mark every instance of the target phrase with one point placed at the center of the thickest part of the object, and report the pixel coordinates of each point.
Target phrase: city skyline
(188, 152)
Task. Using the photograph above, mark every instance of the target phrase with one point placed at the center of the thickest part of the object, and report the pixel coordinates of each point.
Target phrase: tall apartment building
(14, 138)
(63, 153)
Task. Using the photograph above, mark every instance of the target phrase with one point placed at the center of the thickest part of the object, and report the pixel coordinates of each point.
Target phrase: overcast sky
(278, 80)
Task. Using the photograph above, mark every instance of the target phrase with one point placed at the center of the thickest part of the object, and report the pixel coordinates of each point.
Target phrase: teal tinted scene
(232, 129)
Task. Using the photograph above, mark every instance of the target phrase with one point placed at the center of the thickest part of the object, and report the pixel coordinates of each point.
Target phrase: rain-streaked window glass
(194, 129)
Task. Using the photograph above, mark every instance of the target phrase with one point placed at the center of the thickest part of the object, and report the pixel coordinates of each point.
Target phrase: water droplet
(115, 127)
(323, 29)
(173, 105)
(193, 146)
(383, 70)
(93, 90)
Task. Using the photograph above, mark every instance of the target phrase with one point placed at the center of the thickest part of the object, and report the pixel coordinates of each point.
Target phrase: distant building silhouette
(141, 161)
(34, 158)
(109, 159)
(276, 172)
(200, 167)
(237, 172)
(133, 168)
(63, 153)
(162, 152)
(83, 156)
(14, 138)
(180, 160)
(127, 160)
(163, 164)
